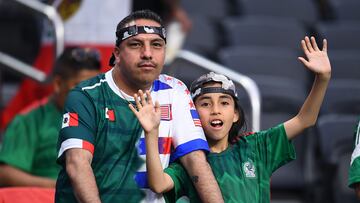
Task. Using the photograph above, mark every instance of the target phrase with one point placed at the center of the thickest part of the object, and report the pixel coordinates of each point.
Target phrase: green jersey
(243, 170)
(30, 140)
(354, 171)
(97, 118)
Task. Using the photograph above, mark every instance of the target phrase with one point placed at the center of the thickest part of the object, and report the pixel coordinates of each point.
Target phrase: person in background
(354, 171)
(241, 164)
(28, 152)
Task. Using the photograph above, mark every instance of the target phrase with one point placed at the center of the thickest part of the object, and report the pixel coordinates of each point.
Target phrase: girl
(242, 168)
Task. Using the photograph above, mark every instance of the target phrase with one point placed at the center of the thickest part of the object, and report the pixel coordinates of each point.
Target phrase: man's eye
(158, 44)
(135, 44)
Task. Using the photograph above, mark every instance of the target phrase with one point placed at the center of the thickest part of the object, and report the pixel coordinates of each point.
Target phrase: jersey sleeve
(275, 148)
(354, 171)
(19, 144)
(188, 134)
(78, 125)
(182, 184)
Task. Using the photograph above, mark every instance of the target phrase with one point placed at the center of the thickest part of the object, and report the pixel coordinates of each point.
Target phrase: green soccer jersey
(97, 118)
(30, 140)
(243, 170)
(354, 171)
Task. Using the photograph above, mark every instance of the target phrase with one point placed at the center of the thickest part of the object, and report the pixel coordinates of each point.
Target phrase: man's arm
(201, 174)
(11, 176)
(78, 167)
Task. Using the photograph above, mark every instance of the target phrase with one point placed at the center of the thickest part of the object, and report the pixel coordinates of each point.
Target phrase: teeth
(217, 122)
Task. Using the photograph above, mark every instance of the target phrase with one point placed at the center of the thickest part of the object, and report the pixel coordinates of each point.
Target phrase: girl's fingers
(304, 47)
(137, 102)
(132, 108)
(308, 44)
(314, 44)
(324, 45)
(148, 96)
(142, 97)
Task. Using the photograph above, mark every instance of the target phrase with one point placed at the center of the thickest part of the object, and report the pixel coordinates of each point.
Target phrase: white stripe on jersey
(70, 143)
(93, 86)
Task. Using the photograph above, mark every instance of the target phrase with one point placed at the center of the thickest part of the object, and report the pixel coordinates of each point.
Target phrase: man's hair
(75, 59)
(141, 14)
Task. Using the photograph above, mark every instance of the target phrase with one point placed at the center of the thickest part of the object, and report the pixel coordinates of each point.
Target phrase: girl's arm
(149, 118)
(318, 62)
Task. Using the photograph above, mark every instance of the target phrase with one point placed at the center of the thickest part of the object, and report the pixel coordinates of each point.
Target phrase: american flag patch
(195, 117)
(165, 110)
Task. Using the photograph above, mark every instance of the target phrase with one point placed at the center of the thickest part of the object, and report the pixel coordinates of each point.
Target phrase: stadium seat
(296, 177)
(341, 35)
(203, 37)
(336, 133)
(345, 64)
(282, 79)
(184, 70)
(214, 9)
(342, 193)
(303, 10)
(342, 96)
(346, 10)
(260, 31)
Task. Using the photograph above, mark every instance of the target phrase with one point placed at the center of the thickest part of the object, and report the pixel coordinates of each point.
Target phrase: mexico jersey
(354, 171)
(243, 170)
(97, 118)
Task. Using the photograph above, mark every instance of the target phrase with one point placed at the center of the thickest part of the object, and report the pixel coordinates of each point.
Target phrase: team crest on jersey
(165, 110)
(249, 169)
(109, 114)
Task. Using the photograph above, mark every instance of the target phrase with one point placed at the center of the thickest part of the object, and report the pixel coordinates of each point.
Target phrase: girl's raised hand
(317, 60)
(147, 113)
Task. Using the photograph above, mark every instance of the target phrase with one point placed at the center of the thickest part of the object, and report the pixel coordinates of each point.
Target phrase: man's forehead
(142, 22)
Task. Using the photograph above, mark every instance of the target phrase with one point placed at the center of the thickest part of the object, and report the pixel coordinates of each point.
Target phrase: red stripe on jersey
(88, 146)
(73, 119)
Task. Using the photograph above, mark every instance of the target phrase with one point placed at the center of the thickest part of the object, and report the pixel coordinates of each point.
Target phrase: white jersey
(180, 130)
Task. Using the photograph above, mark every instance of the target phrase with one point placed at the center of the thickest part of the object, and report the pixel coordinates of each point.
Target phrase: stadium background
(258, 38)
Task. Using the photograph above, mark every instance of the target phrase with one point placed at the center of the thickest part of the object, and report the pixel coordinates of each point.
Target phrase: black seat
(260, 31)
(341, 34)
(281, 78)
(304, 10)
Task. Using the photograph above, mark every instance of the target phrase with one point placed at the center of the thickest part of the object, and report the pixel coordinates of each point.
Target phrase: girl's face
(217, 114)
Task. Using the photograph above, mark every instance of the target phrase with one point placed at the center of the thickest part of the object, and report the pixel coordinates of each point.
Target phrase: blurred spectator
(28, 152)
(354, 173)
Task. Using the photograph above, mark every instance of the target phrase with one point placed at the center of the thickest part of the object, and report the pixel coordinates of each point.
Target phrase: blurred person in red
(28, 152)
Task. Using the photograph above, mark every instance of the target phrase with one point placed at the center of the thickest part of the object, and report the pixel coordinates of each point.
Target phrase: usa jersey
(97, 118)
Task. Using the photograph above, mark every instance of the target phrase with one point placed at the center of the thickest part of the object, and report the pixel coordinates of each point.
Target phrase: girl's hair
(240, 124)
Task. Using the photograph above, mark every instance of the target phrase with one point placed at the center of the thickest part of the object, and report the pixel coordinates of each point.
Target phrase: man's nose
(146, 52)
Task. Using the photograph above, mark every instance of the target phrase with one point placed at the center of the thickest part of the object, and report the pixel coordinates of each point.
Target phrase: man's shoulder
(169, 82)
(36, 107)
(92, 83)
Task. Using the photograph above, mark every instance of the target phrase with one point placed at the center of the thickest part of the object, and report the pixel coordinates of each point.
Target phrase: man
(101, 144)
(28, 152)
(354, 172)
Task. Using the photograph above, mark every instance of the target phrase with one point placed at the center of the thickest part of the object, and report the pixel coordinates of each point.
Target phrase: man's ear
(57, 84)
(116, 53)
